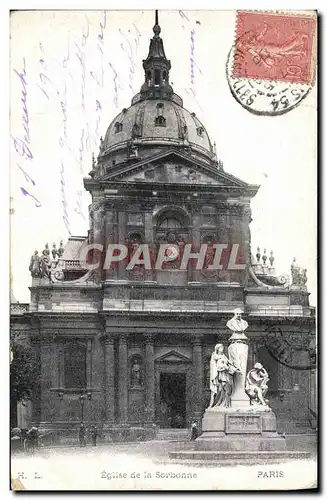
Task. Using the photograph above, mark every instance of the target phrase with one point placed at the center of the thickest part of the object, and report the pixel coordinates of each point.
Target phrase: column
(89, 364)
(123, 378)
(109, 378)
(61, 380)
(149, 380)
(109, 238)
(250, 362)
(193, 273)
(46, 379)
(149, 275)
(254, 352)
(198, 377)
(98, 235)
(122, 240)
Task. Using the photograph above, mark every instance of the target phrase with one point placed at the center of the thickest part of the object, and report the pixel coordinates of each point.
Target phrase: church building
(128, 347)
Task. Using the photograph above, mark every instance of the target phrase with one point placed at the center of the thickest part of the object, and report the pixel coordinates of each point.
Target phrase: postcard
(163, 290)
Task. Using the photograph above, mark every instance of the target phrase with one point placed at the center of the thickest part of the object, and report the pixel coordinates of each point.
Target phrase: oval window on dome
(118, 127)
(160, 121)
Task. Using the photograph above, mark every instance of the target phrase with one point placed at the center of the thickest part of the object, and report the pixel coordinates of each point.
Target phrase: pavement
(146, 466)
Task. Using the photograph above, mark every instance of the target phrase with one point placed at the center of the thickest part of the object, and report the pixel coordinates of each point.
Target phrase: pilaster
(123, 379)
(149, 380)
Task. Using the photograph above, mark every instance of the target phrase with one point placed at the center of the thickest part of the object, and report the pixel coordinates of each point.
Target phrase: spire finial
(156, 27)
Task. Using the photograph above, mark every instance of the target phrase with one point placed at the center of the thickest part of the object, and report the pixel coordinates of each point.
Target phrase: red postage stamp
(275, 46)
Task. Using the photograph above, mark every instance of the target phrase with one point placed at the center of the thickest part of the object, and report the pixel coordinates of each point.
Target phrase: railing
(19, 308)
(73, 264)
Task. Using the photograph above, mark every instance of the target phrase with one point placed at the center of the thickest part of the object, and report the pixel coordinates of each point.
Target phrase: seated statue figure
(256, 385)
(221, 378)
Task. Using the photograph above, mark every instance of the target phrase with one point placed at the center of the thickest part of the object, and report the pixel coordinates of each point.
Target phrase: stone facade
(130, 350)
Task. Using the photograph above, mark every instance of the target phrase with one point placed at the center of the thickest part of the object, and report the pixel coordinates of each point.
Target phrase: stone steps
(173, 435)
(237, 457)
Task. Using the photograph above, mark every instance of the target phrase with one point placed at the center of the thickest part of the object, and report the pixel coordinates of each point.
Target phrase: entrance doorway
(173, 400)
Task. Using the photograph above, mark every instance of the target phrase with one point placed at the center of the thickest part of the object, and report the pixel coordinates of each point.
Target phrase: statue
(237, 324)
(136, 373)
(54, 251)
(47, 251)
(34, 267)
(256, 385)
(299, 276)
(60, 249)
(210, 254)
(45, 265)
(221, 378)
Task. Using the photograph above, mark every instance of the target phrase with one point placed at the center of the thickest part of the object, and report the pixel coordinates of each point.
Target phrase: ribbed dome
(155, 120)
(160, 122)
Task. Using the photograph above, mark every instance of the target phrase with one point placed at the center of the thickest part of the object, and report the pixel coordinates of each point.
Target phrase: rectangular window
(75, 365)
(135, 219)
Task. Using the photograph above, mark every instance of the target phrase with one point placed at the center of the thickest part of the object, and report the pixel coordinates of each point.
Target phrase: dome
(155, 120)
(159, 122)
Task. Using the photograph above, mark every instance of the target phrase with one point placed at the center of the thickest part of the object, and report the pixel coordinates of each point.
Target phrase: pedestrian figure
(94, 434)
(194, 431)
(82, 433)
(32, 439)
(24, 439)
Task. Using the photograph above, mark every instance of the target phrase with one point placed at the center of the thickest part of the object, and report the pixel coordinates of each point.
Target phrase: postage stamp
(275, 46)
(271, 67)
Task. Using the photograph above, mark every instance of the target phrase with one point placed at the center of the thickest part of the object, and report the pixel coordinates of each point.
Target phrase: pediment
(173, 167)
(173, 357)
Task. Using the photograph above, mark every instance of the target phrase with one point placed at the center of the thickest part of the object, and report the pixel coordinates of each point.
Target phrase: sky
(72, 72)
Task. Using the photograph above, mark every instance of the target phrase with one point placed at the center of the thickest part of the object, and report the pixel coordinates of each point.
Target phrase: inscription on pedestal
(243, 424)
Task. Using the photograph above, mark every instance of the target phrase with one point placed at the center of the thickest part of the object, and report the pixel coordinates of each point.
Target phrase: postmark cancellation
(271, 67)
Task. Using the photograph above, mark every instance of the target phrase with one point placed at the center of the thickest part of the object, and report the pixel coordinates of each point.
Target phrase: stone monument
(238, 416)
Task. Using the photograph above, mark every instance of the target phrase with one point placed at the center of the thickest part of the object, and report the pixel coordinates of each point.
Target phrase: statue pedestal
(239, 429)
(238, 354)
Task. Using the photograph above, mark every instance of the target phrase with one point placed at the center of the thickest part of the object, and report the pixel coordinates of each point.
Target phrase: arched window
(208, 215)
(200, 131)
(148, 76)
(160, 108)
(169, 223)
(118, 127)
(75, 365)
(164, 76)
(157, 77)
(160, 119)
